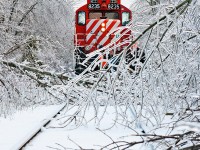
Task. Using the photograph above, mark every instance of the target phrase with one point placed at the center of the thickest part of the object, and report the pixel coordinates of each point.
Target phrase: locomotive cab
(94, 23)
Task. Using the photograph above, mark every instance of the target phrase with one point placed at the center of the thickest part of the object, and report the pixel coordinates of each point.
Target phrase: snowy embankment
(85, 132)
(89, 131)
(111, 128)
(14, 131)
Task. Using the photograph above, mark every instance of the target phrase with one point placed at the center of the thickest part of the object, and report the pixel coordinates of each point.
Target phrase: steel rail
(30, 136)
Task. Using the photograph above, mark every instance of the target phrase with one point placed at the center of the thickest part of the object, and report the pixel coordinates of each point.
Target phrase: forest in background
(37, 34)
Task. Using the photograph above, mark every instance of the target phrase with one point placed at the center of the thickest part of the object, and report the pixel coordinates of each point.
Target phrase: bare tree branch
(18, 46)
(13, 9)
(35, 70)
(26, 14)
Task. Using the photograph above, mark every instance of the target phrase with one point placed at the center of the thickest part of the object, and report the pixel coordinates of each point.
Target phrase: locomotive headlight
(103, 24)
(103, 29)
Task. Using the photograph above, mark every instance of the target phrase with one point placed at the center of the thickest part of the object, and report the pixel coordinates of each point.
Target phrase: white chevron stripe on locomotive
(103, 41)
(107, 26)
(90, 23)
(94, 25)
(94, 29)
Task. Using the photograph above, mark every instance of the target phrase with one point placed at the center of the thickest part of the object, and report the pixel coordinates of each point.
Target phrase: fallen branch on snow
(35, 70)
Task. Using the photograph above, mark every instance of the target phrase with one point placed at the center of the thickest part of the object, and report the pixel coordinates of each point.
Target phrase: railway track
(38, 129)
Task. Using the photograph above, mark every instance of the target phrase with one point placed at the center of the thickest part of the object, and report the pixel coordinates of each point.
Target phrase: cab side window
(125, 18)
(81, 18)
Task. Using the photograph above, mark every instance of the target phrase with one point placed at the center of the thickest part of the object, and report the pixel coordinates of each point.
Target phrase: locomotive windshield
(108, 15)
(112, 15)
(95, 15)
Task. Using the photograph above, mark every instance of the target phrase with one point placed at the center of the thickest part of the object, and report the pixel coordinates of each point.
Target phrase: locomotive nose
(99, 32)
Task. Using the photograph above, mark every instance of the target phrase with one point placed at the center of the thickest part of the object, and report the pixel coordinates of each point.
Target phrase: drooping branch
(156, 22)
(13, 9)
(1, 81)
(151, 26)
(35, 70)
(26, 14)
(60, 76)
(150, 138)
(17, 46)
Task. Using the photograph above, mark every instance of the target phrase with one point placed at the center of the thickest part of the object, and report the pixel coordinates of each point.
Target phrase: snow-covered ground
(87, 135)
(91, 131)
(16, 128)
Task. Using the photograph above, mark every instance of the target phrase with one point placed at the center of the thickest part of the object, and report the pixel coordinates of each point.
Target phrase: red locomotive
(95, 29)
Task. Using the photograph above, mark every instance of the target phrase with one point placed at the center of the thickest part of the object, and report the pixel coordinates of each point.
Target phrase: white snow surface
(15, 129)
(89, 135)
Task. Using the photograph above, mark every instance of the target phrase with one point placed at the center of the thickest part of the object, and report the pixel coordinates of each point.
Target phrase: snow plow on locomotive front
(101, 33)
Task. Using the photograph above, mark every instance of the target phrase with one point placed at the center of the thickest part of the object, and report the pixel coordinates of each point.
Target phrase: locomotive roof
(107, 1)
(100, 3)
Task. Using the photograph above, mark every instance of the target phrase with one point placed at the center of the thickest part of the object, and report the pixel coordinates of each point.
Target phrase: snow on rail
(37, 129)
(17, 130)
